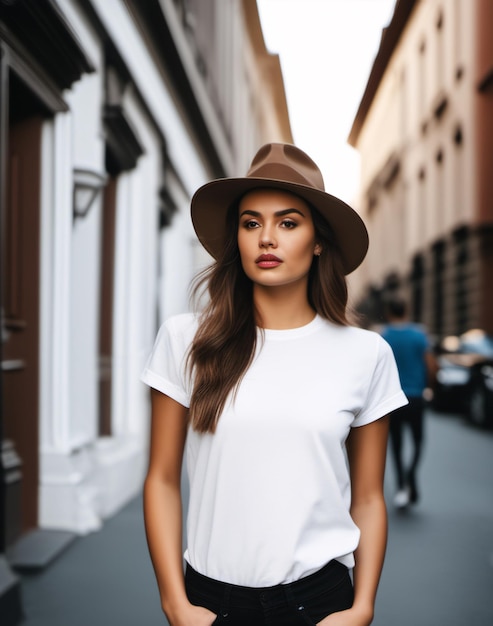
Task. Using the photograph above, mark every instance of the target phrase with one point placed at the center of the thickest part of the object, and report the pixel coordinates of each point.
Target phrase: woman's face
(276, 238)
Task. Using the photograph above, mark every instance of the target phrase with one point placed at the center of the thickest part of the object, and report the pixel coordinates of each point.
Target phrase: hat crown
(287, 163)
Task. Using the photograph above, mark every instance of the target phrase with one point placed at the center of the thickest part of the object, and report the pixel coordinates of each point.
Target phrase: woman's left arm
(367, 449)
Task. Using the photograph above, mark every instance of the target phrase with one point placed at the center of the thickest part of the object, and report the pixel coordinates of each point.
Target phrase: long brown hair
(226, 339)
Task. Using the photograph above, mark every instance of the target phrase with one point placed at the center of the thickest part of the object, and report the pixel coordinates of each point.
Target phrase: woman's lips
(267, 261)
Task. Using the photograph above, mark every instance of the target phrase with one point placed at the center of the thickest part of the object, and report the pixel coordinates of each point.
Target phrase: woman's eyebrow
(281, 213)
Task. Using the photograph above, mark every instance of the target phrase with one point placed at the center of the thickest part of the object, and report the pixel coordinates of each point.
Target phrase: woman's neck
(282, 308)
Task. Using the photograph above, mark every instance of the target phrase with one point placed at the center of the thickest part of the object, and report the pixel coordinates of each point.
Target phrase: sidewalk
(101, 579)
(438, 570)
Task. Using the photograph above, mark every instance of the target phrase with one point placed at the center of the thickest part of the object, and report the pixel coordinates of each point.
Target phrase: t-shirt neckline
(292, 333)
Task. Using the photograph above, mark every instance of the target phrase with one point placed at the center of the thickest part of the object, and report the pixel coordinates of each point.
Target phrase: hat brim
(211, 202)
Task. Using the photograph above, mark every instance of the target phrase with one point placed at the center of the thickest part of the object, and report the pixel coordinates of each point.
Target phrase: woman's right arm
(163, 511)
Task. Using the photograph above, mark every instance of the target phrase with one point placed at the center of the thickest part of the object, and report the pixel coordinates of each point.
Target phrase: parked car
(465, 376)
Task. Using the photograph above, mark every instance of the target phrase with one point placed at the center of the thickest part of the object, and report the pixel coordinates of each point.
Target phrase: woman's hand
(193, 615)
(349, 617)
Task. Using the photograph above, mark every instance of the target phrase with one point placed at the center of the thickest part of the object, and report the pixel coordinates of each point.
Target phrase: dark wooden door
(20, 307)
(106, 307)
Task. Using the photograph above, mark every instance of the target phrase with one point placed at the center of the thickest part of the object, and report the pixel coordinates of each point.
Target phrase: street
(439, 565)
(438, 570)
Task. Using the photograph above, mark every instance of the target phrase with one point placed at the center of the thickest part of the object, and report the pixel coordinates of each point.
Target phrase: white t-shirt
(270, 490)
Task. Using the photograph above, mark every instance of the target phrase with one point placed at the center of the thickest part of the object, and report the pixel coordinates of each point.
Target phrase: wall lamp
(87, 186)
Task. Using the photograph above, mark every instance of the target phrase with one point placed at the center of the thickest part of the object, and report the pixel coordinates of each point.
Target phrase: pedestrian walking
(417, 368)
(280, 406)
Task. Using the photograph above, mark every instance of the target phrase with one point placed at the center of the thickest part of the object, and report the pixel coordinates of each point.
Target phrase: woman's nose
(267, 239)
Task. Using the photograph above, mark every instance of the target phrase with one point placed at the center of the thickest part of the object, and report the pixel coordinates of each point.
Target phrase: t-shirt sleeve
(384, 392)
(165, 369)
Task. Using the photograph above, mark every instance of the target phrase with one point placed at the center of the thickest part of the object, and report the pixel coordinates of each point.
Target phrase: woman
(281, 407)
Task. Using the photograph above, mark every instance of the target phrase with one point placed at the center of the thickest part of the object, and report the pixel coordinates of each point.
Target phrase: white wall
(85, 477)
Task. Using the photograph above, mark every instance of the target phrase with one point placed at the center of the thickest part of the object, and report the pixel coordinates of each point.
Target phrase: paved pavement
(438, 571)
(439, 565)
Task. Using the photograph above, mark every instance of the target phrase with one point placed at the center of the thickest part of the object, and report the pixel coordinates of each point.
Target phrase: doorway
(20, 247)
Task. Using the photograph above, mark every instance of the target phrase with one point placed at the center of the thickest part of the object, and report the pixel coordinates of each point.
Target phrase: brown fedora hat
(285, 167)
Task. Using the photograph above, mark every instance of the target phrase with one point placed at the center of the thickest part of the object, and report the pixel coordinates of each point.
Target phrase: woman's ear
(318, 250)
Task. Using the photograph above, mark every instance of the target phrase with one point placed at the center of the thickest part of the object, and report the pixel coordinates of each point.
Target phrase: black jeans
(411, 416)
(306, 601)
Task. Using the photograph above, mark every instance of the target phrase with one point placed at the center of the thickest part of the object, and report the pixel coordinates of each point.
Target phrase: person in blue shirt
(417, 368)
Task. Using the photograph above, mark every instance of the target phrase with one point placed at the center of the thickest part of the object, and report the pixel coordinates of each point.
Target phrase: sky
(326, 48)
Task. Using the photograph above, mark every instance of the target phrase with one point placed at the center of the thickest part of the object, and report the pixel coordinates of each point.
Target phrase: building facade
(112, 112)
(424, 132)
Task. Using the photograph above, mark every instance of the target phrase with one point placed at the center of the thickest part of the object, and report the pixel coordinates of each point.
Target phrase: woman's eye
(250, 224)
(288, 224)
